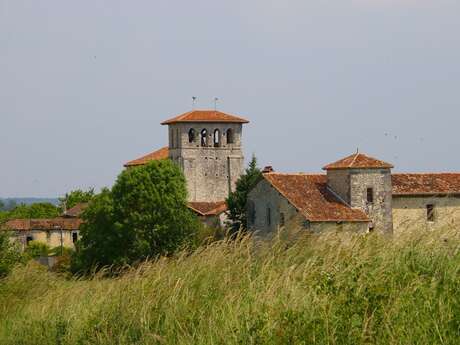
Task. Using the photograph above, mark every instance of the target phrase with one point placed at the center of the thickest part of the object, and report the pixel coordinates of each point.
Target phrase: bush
(10, 254)
(145, 215)
(36, 249)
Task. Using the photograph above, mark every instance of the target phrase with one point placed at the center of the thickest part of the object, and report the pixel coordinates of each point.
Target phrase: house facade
(358, 193)
(55, 232)
(207, 145)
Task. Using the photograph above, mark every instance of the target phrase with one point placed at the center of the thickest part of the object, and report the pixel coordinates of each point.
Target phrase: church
(358, 193)
(208, 146)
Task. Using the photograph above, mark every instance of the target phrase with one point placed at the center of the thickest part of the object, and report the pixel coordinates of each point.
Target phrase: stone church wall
(410, 213)
(211, 172)
(264, 197)
(380, 210)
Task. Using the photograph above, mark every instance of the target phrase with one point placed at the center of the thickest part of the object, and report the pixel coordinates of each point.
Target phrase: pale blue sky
(84, 84)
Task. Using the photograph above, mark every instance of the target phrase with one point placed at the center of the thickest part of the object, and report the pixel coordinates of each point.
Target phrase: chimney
(268, 169)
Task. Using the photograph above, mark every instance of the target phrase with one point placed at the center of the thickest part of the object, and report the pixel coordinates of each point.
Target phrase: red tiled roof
(208, 208)
(426, 184)
(43, 224)
(76, 211)
(205, 116)
(358, 161)
(309, 194)
(162, 153)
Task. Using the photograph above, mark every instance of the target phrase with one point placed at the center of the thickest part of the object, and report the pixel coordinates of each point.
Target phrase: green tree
(9, 254)
(237, 200)
(34, 211)
(37, 210)
(75, 197)
(143, 216)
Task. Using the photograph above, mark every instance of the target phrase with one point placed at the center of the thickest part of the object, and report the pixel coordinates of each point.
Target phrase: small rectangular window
(370, 195)
(430, 216)
(269, 216)
(29, 239)
(306, 224)
(74, 237)
(282, 220)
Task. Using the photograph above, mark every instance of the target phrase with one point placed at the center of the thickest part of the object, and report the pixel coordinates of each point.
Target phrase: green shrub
(10, 254)
(36, 249)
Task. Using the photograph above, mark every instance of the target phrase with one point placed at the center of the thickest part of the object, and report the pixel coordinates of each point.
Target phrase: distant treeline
(8, 204)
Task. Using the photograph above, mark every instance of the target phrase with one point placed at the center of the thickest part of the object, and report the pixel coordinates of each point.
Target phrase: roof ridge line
(297, 173)
(337, 196)
(354, 160)
(426, 173)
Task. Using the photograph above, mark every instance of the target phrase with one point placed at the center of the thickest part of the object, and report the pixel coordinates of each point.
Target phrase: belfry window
(204, 137)
(216, 138)
(230, 138)
(269, 216)
(191, 135)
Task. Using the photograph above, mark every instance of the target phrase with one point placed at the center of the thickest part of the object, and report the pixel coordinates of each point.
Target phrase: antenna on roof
(215, 102)
(194, 98)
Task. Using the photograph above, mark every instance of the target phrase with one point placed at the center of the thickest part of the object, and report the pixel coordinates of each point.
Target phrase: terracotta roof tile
(43, 224)
(358, 161)
(426, 184)
(76, 211)
(208, 208)
(309, 194)
(205, 116)
(162, 153)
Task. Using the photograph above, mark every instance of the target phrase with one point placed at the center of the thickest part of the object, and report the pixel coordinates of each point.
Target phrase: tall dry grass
(327, 289)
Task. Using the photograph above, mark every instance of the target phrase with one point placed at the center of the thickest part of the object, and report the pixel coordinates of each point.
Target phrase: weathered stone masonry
(212, 170)
(357, 193)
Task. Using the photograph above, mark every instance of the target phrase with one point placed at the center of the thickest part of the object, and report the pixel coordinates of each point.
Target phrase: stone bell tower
(365, 183)
(207, 145)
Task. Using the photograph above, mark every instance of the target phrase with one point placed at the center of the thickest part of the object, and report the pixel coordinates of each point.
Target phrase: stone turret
(207, 145)
(364, 182)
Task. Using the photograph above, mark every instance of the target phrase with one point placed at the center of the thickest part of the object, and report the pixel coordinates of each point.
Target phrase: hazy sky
(84, 84)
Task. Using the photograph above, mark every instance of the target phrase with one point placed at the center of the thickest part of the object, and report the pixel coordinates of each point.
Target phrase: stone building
(208, 146)
(357, 193)
(61, 231)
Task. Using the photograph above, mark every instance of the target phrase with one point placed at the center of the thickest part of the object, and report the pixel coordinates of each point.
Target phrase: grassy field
(330, 289)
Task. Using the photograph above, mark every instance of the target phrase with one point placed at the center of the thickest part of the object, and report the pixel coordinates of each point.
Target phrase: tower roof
(205, 116)
(358, 161)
